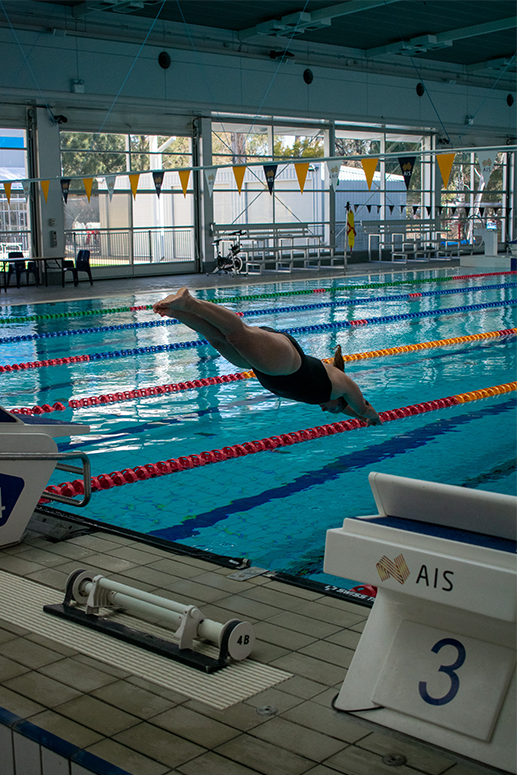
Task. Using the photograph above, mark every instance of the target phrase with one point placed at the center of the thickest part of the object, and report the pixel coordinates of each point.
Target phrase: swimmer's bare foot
(177, 301)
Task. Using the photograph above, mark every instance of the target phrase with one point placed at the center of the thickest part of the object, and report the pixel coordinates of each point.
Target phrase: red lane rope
(164, 467)
(149, 392)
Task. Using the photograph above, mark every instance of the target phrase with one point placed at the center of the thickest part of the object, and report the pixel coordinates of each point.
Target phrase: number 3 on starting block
(445, 678)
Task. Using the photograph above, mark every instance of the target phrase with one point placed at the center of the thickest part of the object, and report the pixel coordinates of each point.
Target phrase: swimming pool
(274, 507)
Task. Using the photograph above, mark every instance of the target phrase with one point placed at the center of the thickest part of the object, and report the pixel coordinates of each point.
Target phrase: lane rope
(257, 312)
(185, 462)
(149, 392)
(232, 299)
(161, 348)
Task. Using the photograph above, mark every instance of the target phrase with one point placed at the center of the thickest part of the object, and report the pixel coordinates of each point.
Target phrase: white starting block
(28, 457)
(437, 657)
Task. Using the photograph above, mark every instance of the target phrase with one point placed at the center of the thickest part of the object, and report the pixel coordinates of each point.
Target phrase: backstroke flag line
(369, 167)
(445, 162)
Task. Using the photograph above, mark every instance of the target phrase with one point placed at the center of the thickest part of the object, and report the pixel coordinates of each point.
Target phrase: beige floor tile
(347, 638)
(195, 727)
(150, 576)
(14, 628)
(239, 716)
(17, 565)
(358, 627)
(313, 716)
(10, 669)
(326, 697)
(213, 764)
(345, 605)
(65, 728)
(275, 698)
(127, 758)
(299, 623)
(430, 762)
(19, 704)
(78, 675)
(246, 607)
(267, 652)
(294, 591)
(265, 594)
(302, 687)
(5, 635)
(96, 542)
(306, 742)
(339, 616)
(329, 652)
(28, 653)
(264, 757)
(188, 588)
(134, 555)
(354, 761)
(168, 694)
(218, 581)
(280, 636)
(117, 672)
(107, 563)
(321, 769)
(97, 715)
(133, 699)
(174, 566)
(52, 645)
(69, 551)
(41, 689)
(159, 744)
(301, 664)
(42, 557)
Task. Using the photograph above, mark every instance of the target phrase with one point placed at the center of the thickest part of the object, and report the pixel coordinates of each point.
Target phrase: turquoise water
(275, 507)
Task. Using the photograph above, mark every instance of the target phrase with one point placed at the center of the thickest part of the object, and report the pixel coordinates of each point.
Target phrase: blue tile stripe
(59, 746)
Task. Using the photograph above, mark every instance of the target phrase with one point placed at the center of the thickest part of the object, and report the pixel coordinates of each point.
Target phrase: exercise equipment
(235, 639)
(436, 660)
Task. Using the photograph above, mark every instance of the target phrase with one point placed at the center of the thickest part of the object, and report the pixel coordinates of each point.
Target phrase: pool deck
(145, 729)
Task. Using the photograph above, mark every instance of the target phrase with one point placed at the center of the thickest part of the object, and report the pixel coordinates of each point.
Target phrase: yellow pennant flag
(369, 167)
(133, 181)
(7, 188)
(445, 162)
(238, 174)
(301, 173)
(44, 187)
(184, 177)
(88, 183)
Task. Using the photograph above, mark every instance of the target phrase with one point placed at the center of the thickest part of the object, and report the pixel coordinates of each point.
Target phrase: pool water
(275, 507)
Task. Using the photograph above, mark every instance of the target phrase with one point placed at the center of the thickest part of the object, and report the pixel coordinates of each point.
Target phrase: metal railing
(113, 247)
(84, 471)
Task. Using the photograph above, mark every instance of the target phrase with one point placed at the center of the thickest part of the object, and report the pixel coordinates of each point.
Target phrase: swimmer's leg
(269, 352)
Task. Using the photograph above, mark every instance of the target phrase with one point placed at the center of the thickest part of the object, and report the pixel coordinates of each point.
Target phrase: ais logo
(399, 571)
(11, 488)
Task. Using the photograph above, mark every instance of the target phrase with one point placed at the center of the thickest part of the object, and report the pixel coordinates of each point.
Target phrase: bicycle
(232, 262)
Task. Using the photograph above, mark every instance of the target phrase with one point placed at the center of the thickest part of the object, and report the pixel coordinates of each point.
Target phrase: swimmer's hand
(371, 416)
(374, 421)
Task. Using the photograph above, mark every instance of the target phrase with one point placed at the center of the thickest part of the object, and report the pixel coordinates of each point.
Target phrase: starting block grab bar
(235, 639)
(84, 471)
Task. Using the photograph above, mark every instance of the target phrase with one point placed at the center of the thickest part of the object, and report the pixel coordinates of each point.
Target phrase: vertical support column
(330, 150)
(51, 234)
(204, 214)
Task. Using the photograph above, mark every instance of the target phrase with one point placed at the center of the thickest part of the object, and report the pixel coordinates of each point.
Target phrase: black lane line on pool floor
(390, 448)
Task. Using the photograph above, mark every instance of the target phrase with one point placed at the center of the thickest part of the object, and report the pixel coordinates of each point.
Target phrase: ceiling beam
(300, 22)
(423, 43)
(501, 63)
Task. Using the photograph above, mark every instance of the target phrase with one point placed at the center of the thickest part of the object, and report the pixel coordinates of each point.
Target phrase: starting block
(436, 660)
(28, 457)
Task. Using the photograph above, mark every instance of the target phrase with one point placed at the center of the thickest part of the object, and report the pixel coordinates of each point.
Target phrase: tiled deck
(147, 730)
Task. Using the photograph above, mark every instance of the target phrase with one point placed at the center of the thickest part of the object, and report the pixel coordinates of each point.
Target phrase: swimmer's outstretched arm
(357, 403)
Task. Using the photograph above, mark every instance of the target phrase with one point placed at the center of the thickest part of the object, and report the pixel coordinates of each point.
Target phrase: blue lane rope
(257, 312)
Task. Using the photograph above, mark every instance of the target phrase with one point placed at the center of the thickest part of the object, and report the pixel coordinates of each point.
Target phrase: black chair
(20, 267)
(81, 264)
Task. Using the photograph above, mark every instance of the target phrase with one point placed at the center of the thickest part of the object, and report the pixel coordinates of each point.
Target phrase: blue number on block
(448, 669)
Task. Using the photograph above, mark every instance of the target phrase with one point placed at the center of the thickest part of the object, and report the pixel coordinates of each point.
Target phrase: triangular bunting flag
(270, 172)
(44, 187)
(26, 188)
(110, 184)
(445, 162)
(88, 183)
(65, 188)
(496, 211)
(508, 210)
(391, 208)
(467, 211)
(453, 211)
(378, 208)
(369, 166)
(158, 181)
(369, 208)
(333, 168)
(133, 182)
(402, 208)
(428, 210)
(238, 174)
(406, 165)
(302, 169)
(481, 211)
(7, 189)
(415, 209)
(184, 177)
(487, 165)
(440, 210)
(210, 176)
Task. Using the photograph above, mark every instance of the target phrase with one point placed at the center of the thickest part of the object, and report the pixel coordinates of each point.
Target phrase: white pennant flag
(110, 183)
(487, 165)
(333, 168)
(26, 188)
(210, 176)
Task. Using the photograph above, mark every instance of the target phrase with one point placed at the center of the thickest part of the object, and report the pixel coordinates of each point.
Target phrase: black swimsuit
(310, 384)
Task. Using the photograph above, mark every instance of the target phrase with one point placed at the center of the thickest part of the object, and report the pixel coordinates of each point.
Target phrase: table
(43, 260)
